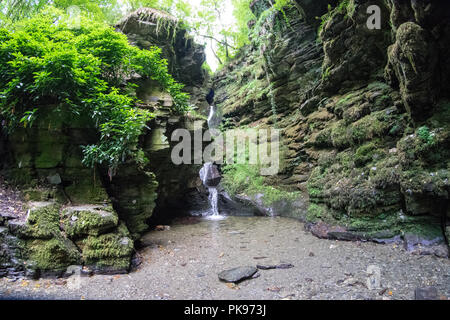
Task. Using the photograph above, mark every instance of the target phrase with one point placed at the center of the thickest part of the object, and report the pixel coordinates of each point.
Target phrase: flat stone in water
(237, 274)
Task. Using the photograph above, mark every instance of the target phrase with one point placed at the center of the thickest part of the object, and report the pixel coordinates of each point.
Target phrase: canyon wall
(364, 113)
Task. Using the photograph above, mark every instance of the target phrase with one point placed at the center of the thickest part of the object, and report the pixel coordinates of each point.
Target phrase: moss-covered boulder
(53, 255)
(88, 220)
(108, 253)
(42, 221)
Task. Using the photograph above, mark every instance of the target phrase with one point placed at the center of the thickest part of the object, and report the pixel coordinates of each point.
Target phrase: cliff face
(149, 27)
(75, 215)
(364, 113)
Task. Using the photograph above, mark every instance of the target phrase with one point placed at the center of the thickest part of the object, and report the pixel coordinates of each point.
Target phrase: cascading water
(209, 173)
(211, 179)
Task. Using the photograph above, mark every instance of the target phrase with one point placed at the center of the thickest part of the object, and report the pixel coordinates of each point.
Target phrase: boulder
(108, 253)
(88, 220)
(237, 274)
(42, 222)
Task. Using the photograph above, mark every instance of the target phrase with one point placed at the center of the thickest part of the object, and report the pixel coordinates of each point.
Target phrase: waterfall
(209, 174)
(211, 178)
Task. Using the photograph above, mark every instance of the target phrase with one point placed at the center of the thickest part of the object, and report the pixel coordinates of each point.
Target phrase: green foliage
(243, 16)
(99, 10)
(80, 72)
(425, 135)
(344, 7)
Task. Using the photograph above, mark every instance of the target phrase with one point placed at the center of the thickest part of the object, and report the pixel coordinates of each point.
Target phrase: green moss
(52, 255)
(424, 134)
(346, 7)
(339, 135)
(315, 213)
(387, 174)
(112, 249)
(364, 154)
(50, 148)
(88, 220)
(323, 138)
(42, 222)
(316, 182)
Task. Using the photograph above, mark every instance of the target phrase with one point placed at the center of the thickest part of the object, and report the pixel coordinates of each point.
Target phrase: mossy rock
(88, 220)
(364, 154)
(52, 255)
(390, 224)
(317, 212)
(42, 221)
(110, 252)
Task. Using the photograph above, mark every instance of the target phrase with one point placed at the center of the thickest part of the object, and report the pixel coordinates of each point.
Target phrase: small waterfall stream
(209, 174)
(206, 174)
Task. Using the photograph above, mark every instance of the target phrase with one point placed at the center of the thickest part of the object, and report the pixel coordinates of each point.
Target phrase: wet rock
(237, 274)
(325, 231)
(210, 175)
(426, 293)
(284, 207)
(417, 244)
(136, 261)
(275, 266)
(238, 205)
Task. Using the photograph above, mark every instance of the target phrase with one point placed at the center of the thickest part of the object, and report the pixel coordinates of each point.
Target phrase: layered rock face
(363, 112)
(149, 27)
(178, 184)
(91, 217)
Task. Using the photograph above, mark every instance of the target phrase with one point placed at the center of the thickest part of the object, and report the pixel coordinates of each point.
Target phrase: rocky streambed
(183, 262)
